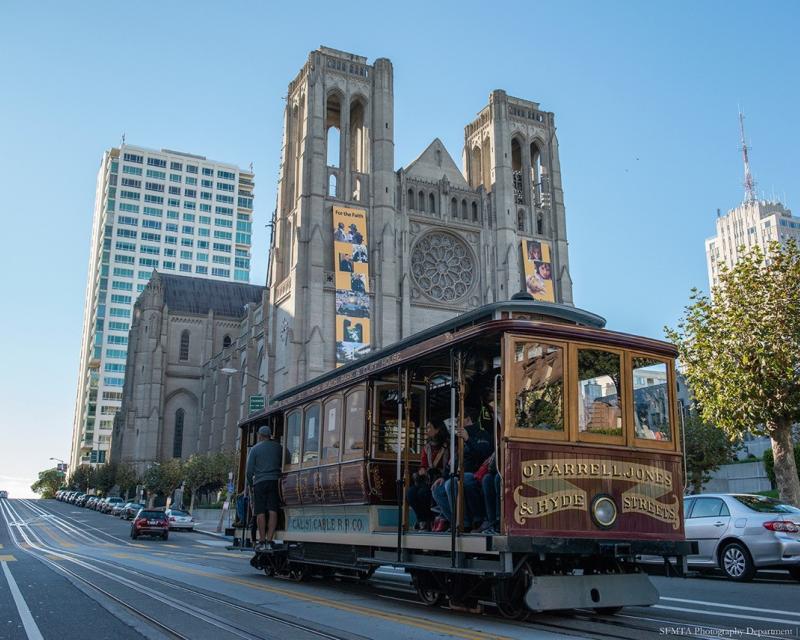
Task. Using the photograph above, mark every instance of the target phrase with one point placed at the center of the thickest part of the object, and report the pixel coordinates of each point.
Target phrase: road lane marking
(7, 558)
(720, 614)
(732, 606)
(31, 630)
(121, 555)
(227, 554)
(427, 625)
(174, 546)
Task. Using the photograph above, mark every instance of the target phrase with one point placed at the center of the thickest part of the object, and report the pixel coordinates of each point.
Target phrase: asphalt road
(70, 573)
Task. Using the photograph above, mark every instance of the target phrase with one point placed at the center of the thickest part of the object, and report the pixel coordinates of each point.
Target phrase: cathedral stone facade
(442, 240)
(175, 403)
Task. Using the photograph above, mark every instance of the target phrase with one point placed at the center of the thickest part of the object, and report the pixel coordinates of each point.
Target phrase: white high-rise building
(753, 223)
(166, 210)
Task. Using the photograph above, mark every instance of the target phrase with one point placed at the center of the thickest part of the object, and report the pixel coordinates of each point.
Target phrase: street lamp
(230, 371)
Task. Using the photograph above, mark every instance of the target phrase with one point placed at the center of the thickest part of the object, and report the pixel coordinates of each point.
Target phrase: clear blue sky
(645, 96)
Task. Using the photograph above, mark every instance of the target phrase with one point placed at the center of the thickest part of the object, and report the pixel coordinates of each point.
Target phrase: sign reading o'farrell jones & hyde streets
(256, 403)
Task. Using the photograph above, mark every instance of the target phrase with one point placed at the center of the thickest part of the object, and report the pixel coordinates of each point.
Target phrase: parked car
(116, 508)
(109, 503)
(81, 501)
(130, 510)
(150, 522)
(91, 502)
(179, 519)
(73, 499)
(741, 533)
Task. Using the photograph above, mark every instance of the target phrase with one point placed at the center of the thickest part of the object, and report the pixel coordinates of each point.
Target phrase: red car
(149, 522)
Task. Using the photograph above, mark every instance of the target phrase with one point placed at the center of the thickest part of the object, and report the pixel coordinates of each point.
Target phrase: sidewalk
(207, 522)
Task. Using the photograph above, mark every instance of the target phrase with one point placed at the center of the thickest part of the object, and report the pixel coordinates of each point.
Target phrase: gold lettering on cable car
(551, 478)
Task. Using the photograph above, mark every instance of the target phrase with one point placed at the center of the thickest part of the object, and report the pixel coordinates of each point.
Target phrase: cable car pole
(400, 400)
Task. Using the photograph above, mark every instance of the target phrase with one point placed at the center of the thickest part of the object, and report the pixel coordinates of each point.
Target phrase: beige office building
(753, 223)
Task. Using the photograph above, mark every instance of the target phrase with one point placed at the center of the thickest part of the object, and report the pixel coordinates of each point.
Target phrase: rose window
(443, 266)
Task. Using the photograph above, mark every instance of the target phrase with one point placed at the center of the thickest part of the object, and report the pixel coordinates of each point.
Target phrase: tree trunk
(191, 501)
(785, 467)
(696, 482)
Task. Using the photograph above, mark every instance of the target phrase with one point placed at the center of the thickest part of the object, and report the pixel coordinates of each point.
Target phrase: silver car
(179, 519)
(740, 533)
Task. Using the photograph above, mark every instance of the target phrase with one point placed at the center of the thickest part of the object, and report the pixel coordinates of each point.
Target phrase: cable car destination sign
(553, 480)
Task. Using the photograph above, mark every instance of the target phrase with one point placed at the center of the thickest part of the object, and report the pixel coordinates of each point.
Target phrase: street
(74, 573)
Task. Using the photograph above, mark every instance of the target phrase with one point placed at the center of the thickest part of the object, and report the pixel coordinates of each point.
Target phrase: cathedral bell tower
(511, 152)
(337, 159)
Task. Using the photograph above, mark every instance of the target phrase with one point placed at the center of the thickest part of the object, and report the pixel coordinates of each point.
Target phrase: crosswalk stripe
(7, 558)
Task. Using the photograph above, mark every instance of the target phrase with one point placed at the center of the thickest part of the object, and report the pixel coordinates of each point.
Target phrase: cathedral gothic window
(177, 440)
(184, 352)
(443, 266)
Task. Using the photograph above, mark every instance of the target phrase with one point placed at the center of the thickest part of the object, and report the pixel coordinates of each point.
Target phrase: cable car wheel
(298, 572)
(426, 590)
(509, 594)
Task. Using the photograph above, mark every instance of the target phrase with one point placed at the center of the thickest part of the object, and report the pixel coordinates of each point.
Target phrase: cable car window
(538, 385)
(354, 411)
(599, 391)
(293, 438)
(651, 399)
(332, 429)
(311, 433)
(386, 419)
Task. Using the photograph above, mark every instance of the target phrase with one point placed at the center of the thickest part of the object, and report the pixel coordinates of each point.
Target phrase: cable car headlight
(604, 511)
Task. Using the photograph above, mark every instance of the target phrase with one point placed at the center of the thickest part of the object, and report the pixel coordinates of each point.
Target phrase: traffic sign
(256, 403)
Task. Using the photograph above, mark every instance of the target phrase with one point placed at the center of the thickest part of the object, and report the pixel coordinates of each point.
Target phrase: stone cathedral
(364, 255)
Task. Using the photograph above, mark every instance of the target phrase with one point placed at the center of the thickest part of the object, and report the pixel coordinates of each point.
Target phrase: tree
(164, 477)
(707, 447)
(50, 481)
(207, 472)
(82, 478)
(741, 351)
(105, 477)
(126, 478)
(769, 463)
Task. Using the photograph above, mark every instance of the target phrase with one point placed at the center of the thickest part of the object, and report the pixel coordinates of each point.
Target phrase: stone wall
(746, 477)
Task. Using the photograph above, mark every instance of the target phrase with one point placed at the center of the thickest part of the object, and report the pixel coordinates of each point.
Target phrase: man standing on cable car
(262, 474)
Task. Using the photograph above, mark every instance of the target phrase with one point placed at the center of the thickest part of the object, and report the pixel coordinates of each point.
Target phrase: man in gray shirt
(262, 475)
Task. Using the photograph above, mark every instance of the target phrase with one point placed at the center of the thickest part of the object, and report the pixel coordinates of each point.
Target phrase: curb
(213, 534)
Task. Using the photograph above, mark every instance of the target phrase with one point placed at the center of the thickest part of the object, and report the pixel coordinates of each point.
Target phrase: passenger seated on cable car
(434, 464)
(489, 480)
(478, 445)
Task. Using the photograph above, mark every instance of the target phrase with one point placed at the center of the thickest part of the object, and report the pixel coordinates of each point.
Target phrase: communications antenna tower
(749, 184)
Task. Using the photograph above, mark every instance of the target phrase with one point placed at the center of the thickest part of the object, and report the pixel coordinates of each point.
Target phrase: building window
(184, 352)
(226, 342)
(177, 441)
(432, 203)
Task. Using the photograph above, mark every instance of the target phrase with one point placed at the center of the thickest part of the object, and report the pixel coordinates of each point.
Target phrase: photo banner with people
(351, 264)
(538, 270)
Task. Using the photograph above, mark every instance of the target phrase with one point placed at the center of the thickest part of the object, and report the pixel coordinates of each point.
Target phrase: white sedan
(179, 519)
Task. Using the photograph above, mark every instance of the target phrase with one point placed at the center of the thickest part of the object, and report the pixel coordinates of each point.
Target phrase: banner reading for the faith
(351, 265)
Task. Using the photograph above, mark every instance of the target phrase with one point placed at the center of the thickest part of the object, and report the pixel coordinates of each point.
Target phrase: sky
(645, 96)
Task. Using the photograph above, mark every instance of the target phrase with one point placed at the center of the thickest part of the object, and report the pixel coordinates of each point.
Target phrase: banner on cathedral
(351, 266)
(536, 258)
